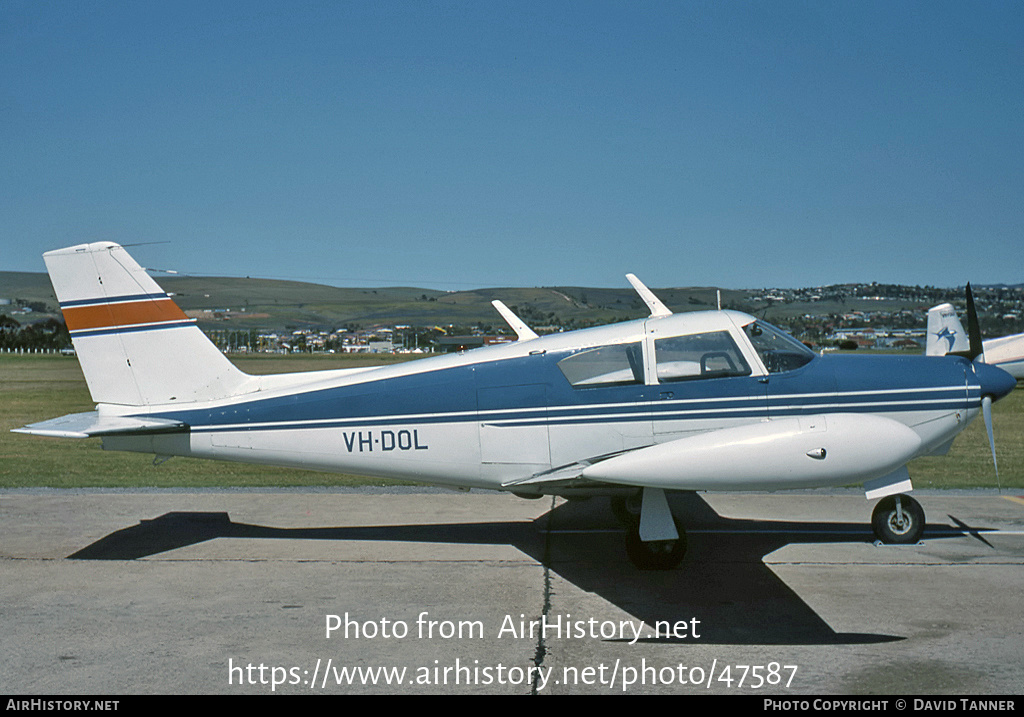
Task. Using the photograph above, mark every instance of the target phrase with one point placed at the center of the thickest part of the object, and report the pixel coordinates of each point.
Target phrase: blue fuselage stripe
(530, 391)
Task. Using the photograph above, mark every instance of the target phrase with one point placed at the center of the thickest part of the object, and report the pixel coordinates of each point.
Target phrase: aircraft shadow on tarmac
(723, 582)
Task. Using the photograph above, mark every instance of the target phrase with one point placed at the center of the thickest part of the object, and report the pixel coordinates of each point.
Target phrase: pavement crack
(541, 651)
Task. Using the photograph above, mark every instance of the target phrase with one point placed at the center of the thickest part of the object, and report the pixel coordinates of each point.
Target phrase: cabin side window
(616, 365)
(708, 355)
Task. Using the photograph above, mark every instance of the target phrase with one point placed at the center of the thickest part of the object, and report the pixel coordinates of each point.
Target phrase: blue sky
(486, 143)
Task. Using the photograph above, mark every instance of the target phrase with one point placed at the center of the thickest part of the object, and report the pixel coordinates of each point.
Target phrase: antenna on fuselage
(523, 332)
(657, 308)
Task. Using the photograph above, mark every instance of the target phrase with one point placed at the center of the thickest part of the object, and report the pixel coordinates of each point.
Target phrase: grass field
(35, 388)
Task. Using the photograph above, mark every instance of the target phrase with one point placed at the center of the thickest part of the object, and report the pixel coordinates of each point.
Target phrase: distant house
(452, 344)
(381, 347)
(906, 344)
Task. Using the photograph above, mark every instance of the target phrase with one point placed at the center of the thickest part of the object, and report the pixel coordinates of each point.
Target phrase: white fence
(66, 352)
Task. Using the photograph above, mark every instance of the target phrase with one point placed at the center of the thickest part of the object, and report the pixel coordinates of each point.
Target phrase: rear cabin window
(618, 365)
(709, 355)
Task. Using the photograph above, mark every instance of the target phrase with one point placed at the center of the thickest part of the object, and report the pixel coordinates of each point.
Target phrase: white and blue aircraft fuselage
(713, 400)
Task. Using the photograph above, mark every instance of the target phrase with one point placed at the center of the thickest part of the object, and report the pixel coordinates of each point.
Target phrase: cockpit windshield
(778, 350)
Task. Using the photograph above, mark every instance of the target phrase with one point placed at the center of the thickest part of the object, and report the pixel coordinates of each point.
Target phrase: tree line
(49, 334)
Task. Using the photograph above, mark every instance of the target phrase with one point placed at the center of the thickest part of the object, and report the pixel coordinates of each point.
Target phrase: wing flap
(87, 425)
(572, 472)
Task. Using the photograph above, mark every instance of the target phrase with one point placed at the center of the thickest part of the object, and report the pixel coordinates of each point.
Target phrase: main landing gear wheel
(527, 496)
(627, 508)
(656, 554)
(898, 519)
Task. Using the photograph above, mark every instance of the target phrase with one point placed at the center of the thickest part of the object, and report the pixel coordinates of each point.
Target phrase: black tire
(527, 496)
(627, 508)
(657, 554)
(888, 526)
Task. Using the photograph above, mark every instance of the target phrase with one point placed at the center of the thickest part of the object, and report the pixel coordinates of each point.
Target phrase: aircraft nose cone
(995, 382)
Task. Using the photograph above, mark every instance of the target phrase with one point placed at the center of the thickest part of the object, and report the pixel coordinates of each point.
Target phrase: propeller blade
(976, 350)
(973, 328)
(986, 410)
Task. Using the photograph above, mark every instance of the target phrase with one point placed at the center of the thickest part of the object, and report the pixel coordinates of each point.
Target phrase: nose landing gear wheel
(898, 519)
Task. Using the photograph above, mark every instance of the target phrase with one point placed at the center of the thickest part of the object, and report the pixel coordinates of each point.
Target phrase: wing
(784, 453)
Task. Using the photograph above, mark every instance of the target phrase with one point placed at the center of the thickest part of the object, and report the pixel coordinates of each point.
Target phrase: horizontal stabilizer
(86, 425)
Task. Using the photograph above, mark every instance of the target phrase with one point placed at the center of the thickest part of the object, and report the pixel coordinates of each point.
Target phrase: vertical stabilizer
(135, 346)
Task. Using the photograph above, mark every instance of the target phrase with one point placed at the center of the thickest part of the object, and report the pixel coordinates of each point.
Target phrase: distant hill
(272, 304)
(269, 304)
(28, 286)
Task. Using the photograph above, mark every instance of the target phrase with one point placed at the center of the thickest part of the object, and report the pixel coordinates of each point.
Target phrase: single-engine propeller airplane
(701, 401)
